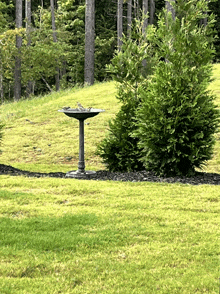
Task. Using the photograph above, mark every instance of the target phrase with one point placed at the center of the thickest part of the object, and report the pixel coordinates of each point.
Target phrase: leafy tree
(178, 119)
(119, 149)
(3, 25)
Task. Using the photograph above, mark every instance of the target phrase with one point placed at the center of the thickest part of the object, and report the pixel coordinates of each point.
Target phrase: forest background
(49, 42)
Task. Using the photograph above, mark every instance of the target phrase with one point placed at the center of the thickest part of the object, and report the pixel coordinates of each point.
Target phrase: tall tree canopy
(42, 61)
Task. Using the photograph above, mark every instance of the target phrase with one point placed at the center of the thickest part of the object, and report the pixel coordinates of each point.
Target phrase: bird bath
(81, 115)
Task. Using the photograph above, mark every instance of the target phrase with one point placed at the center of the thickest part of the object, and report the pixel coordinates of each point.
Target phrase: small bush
(178, 118)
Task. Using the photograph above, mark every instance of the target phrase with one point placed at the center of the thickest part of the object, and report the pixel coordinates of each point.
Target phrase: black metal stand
(81, 115)
(81, 173)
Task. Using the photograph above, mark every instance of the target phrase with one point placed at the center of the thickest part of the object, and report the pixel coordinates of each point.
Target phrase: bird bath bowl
(81, 115)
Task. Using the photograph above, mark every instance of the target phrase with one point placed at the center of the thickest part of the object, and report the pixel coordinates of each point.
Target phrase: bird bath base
(81, 115)
(80, 175)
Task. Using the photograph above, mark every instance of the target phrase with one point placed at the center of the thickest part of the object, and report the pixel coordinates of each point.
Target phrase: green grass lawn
(72, 236)
(39, 138)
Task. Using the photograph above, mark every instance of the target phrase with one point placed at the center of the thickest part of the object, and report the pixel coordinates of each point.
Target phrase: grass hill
(39, 138)
(97, 237)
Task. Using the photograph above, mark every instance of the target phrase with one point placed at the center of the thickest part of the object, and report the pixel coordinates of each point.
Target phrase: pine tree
(178, 118)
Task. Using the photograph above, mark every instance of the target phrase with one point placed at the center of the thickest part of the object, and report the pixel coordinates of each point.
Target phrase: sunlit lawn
(72, 236)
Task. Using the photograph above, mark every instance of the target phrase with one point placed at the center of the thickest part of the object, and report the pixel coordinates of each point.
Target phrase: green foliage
(178, 119)
(4, 15)
(41, 56)
(130, 68)
(44, 55)
(119, 149)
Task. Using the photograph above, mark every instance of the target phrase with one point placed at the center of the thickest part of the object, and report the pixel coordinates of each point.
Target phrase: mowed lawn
(72, 236)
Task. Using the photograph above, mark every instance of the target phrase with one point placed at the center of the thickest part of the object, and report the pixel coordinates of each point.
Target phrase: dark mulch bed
(143, 176)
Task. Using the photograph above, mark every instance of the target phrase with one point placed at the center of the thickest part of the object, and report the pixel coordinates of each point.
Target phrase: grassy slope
(39, 138)
(71, 236)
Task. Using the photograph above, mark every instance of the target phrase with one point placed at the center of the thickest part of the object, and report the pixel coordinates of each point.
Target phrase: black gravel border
(102, 175)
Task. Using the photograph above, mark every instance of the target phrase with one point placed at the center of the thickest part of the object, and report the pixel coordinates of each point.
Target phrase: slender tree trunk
(145, 11)
(136, 9)
(152, 11)
(57, 78)
(204, 21)
(29, 88)
(28, 18)
(17, 73)
(120, 23)
(145, 24)
(89, 67)
(129, 16)
(170, 8)
(1, 82)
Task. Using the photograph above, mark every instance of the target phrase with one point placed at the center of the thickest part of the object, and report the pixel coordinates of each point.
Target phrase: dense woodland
(42, 42)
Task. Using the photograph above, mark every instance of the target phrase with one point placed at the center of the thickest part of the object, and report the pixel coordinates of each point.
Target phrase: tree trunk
(17, 73)
(136, 9)
(28, 18)
(120, 23)
(204, 21)
(152, 11)
(89, 67)
(170, 8)
(1, 82)
(29, 88)
(145, 11)
(129, 16)
(57, 78)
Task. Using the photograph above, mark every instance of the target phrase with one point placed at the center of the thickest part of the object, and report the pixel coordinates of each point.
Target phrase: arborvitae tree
(119, 149)
(178, 118)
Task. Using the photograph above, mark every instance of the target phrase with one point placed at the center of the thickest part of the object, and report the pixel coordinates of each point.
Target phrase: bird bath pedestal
(81, 115)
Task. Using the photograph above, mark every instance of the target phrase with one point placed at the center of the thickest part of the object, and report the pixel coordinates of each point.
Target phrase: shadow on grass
(48, 233)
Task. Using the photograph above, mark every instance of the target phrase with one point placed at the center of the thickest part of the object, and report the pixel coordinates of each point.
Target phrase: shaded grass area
(69, 236)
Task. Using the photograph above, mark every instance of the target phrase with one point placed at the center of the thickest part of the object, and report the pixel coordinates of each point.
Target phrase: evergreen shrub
(178, 119)
(130, 68)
